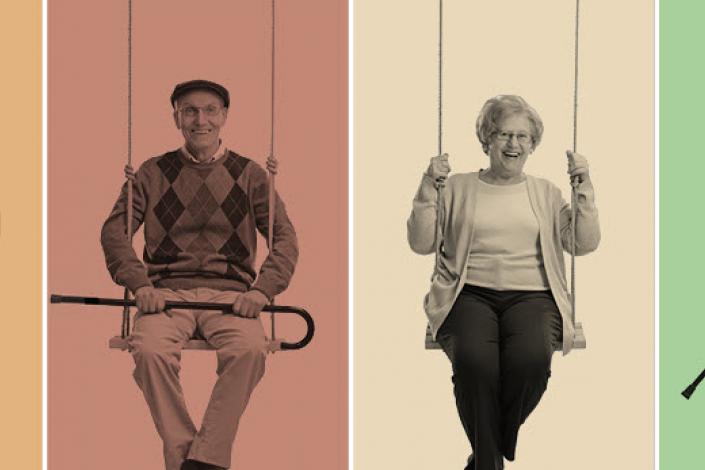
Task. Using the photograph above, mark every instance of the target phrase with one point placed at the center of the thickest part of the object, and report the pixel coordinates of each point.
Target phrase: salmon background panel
(297, 418)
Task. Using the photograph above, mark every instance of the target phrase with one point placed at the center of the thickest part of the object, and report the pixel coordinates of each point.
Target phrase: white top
(505, 253)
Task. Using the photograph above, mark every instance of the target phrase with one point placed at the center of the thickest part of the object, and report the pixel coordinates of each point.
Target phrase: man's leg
(241, 351)
(156, 348)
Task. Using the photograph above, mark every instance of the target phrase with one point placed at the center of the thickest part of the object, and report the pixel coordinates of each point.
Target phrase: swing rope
(574, 181)
(272, 194)
(125, 329)
(440, 77)
(575, 76)
(439, 183)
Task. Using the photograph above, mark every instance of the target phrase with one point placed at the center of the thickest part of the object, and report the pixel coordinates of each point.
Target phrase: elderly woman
(498, 303)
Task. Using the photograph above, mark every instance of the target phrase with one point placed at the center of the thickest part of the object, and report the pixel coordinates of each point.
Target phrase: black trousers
(500, 344)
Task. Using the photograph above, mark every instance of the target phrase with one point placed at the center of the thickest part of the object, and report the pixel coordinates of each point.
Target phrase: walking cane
(226, 308)
(691, 388)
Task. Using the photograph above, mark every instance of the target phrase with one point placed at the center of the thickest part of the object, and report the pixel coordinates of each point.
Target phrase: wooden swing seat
(578, 340)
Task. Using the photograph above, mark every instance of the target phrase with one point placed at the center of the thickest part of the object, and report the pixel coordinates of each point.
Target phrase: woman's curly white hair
(498, 108)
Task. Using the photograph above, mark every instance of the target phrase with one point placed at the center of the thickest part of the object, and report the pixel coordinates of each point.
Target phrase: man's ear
(177, 121)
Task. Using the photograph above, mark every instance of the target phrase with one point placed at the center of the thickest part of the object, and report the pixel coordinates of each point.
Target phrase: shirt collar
(218, 153)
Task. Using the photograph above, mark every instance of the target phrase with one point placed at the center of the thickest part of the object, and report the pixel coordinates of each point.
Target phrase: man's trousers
(156, 345)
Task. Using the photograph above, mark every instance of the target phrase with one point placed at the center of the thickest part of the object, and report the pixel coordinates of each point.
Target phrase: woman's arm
(421, 226)
(587, 223)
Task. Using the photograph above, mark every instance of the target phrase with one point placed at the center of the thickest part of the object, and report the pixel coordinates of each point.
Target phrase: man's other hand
(250, 304)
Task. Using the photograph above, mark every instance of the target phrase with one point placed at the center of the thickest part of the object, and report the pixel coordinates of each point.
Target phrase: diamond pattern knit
(200, 223)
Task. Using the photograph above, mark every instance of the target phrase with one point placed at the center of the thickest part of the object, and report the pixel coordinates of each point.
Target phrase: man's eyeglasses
(522, 138)
(192, 111)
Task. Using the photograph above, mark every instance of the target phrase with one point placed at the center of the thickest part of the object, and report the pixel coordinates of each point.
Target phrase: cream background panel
(598, 409)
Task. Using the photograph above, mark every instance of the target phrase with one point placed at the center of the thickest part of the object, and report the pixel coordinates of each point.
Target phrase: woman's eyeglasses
(522, 138)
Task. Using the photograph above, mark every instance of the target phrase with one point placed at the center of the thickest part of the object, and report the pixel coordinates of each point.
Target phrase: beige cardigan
(459, 197)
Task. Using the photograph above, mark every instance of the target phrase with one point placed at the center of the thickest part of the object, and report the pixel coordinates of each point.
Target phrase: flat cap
(186, 87)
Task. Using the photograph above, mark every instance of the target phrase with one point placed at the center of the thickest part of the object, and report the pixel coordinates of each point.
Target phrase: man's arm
(123, 264)
(278, 268)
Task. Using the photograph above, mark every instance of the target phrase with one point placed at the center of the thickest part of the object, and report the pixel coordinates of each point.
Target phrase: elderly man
(201, 206)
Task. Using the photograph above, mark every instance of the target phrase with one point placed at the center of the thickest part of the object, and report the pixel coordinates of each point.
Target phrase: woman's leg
(530, 325)
(470, 338)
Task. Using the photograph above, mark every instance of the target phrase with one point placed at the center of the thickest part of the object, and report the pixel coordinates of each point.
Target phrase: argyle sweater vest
(200, 223)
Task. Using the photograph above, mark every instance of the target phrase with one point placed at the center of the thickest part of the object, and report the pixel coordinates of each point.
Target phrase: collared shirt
(218, 153)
